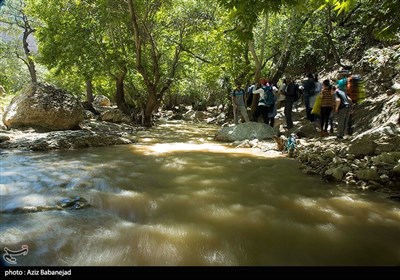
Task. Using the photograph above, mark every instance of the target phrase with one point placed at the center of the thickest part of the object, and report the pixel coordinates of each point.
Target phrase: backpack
(309, 87)
(250, 95)
(344, 100)
(293, 91)
(296, 93)
(317, 87)
(355, 88)
(269, 96)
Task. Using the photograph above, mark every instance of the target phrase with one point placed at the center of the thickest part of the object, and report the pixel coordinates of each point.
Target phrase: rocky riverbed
(368, 160)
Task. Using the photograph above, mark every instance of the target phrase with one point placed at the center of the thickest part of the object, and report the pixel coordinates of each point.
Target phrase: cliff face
(380, 68)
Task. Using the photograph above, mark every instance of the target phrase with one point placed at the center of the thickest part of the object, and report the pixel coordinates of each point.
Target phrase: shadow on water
(177, 198)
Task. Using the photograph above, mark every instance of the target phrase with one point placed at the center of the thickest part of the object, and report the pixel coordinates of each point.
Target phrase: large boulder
(376, 141)
(43, 106)
(114, 115)
(243, 131)
(363, 146)
(308, 130)
(91, 134)
(192, 115)
(101, 100)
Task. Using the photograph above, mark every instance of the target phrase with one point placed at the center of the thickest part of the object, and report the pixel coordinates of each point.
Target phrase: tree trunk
(258, 59)
(148, 112)
(254, 104)
(328, 35)
(152, 77)
(257, 62)
(89, 91)
(120, 94)
(29, 60)
(295, 26)
(283, 63)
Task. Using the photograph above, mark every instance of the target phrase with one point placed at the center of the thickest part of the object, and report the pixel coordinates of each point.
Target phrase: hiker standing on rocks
(327, 105)
(342, 108)
(261, 109)
(309, 91)
(291, 92)
(239, 105)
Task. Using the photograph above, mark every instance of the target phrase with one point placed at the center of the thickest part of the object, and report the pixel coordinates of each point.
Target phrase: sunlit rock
(101, 100)
(91, 134)
(243, 131)
(4, 138)
(396, 86)
(43, 106)
(192, 115)
(112, 115)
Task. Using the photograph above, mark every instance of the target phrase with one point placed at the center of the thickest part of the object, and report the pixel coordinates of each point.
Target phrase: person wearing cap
(342, 80)
(239, 105)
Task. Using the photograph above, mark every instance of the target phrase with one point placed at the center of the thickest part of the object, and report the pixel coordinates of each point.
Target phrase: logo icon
(10, 254)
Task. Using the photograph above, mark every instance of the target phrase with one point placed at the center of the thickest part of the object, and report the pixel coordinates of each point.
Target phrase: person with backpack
(281, 94)
(238, 103)
(327, 105)
(292, 95)
(342, 108)
(356, 91)
(309, 91)
(272, 113)
(261, 108)
(265, 103)
(342, 80)
(317, 91)
(249, 95)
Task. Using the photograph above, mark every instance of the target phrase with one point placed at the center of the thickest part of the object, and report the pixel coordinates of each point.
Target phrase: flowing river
(179, 198)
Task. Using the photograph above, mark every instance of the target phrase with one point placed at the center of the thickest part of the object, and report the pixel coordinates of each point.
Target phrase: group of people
(321, 100)
(259, 92)
(331, 99)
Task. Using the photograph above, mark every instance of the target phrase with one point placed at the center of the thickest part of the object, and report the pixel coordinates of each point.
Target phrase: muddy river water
(178, 198)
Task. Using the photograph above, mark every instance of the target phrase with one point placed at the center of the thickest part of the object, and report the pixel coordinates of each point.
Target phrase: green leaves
(214, 40)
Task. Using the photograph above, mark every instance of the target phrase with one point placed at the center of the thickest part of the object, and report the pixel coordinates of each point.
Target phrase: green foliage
(13, 71)
(205, 52)
(377, 16)
(13, 74)
(84, 39)
(383, 18)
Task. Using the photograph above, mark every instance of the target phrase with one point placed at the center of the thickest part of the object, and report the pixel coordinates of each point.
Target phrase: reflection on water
(178, 198)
